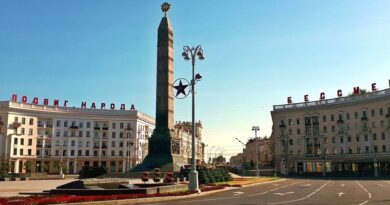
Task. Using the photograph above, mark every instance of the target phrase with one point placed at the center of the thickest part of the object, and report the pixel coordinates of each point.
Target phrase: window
(290, 131)
(325, 140)
(29, 142)
(381, 111)
(290, 122)
(341, 151)
(88, 124)
(121, 135)
(333, 128)
(298, 131)
(31, 121)
(103, 153)
(120, 153)
(113, 144)
(64, 153)
(96, 134)
(348, 116)
(80, 143)
(364, 113)
(65, 133)
(120, 144)
(372, 113)
(324, 118)
(383, 136)
(73, 143)
(86, 152)
(21, 151)
(291, 142)
(81, 124)
(325, 129)
(113, 134)
(22, 131)
(104, 134)
(15, 140)
(384, 148)
(79, 153)
(298, 121)
(121, 125)
(88, 134)
(333, 140)
(334, 150)
(373, 124)
(57, 152)
(366, 138)
(72, 134)
(87, 144)
(65, 123)
(30, 131)
(57, 133)
(29, 152)
(22, 141)
(113, 125)
(57, 143)
(382, 123)
(356, 115)
(58, 123)
(349, 138)
(71, 152)
(375, 149)
(80, 133)
(112, 153)
(358, 150)
(374, 136)
(341, 139)
(15, 151)
(332, 117)
(23, 120)
(367, 148)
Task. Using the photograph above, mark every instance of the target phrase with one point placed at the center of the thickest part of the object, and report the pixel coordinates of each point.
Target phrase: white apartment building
(50, 136)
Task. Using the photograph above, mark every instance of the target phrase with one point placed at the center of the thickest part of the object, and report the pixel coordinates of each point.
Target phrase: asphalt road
(300, 191)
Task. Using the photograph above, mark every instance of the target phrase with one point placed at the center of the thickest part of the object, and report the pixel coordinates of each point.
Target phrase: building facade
(50, 138)
(258, 150)
(342, 136)
(184, 132)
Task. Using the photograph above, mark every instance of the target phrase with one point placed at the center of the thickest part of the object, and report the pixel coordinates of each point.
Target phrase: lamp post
(192, 53)
(256, 128)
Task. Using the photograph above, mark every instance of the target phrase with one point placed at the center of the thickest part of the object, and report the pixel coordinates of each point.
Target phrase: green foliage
(92, 172)
(28, 166)
(4, 169)
(203, 177)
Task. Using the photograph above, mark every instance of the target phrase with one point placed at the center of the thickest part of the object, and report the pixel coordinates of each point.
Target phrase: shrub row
(209, 176)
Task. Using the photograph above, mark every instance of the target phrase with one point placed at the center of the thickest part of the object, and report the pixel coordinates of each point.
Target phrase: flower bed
(64, 199)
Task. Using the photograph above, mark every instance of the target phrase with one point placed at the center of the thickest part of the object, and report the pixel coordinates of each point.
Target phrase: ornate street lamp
(256, 128)
(193, 53)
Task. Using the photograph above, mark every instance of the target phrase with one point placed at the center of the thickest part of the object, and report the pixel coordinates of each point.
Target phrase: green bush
(210, 175)
(4, 169)
(92, 172)
(203, 177)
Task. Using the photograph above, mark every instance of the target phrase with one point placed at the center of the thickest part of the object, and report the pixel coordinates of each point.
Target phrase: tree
(4, 169)
(28, 166)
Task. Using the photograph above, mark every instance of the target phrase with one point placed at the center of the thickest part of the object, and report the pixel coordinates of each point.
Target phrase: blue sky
(257, 54)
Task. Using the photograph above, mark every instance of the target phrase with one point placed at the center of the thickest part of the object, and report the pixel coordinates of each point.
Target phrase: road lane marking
(364, 188)
(261, 193)
(258, 193)
(233, 197)
(238, 193)
(342, 185)
(285, 193)
(305, 185)
(340, 193)
(364, 202)
(303, 198)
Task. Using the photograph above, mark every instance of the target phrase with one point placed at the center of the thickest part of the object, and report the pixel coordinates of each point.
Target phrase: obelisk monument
(164, 146)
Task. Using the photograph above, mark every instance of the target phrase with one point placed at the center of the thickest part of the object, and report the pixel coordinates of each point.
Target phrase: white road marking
(303, 198)
(369, 194)
(340, 193)
(285, 193)
(238, 193)
(364, 202)
(261, 193)
(306, 185)
(233, 197)
(258, 193)
(342, 185)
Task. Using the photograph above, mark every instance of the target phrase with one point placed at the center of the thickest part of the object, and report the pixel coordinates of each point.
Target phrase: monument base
(163, 153)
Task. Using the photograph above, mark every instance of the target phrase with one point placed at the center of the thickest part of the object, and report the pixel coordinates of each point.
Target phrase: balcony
(282, 126)
(73, 127)
(39, 145)
(104, 146)
(364, 118)
(96, 147)
(40, 125)
(15, 125)
(96, 128)
(105, 128)
(128, 129)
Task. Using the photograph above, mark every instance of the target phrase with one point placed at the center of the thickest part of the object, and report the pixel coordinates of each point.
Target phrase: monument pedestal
(164, 153)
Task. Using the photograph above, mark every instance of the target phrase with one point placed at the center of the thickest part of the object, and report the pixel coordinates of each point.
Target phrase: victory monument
(164, 145)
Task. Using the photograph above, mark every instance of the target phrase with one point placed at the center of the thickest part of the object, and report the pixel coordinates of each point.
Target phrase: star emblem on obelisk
(180, 89)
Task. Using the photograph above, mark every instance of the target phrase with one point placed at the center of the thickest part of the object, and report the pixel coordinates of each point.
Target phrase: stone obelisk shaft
(164, 95)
